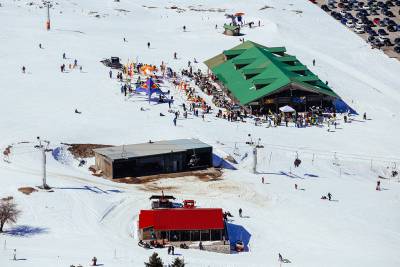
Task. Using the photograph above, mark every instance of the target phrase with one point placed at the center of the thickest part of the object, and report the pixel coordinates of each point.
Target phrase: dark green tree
(178, 263)
(154, 261)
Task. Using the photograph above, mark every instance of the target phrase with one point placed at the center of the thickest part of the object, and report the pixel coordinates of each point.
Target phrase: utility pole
(48, 15)
(255, 159)
(43, 150)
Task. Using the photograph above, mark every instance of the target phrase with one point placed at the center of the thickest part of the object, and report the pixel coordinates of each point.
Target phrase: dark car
(325, 8)
(382, 32)
(391, 29)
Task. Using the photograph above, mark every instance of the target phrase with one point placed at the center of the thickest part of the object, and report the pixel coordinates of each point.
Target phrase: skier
(378, 186)
(15, 254)
(259, 23)
(175, 55)
(110, 73)
(313, 62)
(64, 57)
(240, 212)
(169, 250)
(188, 63)
(173, 250)
(262, 179)
(40, 46)
(78, 112)
(329, 196)
(75, 63)
(216, 26)
(175, 121)
(365, 115)
(124, 39)
(280, 257)
(148, 44)
(23, 69)
(94, 261)
(184, 28)
(295, 186)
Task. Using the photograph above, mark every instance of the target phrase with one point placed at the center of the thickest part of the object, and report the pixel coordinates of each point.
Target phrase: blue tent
(150, 88)
(342, 107)
(238, 233)
(219, 162)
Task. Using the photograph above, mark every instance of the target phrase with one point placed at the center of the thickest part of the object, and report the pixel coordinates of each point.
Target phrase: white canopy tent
(287, 109)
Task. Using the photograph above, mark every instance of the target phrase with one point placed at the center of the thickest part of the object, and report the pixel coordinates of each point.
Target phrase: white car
(382, 38)
(359, 30)
(359, 24)
(350, 24)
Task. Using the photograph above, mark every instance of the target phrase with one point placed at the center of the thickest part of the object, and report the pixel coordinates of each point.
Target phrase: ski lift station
(152, 158)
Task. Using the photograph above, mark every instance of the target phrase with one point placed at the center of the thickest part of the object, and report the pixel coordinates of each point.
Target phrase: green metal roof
(231, 27)
(255, 71)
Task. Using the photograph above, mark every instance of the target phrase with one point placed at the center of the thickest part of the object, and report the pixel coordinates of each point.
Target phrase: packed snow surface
(89, 216)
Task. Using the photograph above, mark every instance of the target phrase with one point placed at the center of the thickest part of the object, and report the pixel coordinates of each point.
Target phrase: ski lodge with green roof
(266, 77)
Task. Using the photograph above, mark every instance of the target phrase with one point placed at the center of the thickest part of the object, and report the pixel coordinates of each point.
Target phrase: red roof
(181, 219)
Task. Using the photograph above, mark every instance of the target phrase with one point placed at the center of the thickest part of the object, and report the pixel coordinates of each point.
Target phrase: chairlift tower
(43, 149)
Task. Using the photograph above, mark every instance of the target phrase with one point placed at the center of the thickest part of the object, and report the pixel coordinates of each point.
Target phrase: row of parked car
(378, 19)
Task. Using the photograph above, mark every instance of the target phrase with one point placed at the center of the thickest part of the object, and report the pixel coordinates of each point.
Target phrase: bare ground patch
(27, 190)
(83, 150)
(207, 175)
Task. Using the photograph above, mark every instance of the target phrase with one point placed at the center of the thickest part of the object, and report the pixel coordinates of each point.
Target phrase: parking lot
(371, 19)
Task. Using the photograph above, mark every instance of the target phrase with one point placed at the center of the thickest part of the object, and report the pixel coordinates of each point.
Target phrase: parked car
(350, 24)
(391, 28)
(382, 32)
(325, 8)
(359, 30)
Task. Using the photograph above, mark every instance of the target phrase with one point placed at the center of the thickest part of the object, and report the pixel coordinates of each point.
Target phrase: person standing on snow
(365, 116)
(240, 212)
(184, 28)
(110, 73)
(15, 254)
(148, 44)
(64, 57)
(175, 55)
(262, 179)
(313, 62)
(174, 121)
(378, 186)
(329, 196)
(23, 69)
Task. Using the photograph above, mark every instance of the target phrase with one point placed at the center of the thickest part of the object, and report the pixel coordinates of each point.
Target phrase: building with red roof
(182, 224)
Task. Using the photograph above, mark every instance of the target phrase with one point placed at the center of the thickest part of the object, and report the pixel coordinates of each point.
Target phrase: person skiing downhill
(148, 44)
